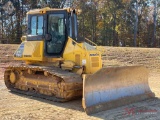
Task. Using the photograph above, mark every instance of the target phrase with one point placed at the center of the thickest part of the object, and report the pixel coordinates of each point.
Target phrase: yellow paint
(12, 77)
(82, 54)
(44, 10)
(23, 38)
(77, 52)
(33, 50)
(73, 49)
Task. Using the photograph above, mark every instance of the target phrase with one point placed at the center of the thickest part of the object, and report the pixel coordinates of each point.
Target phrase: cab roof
(44, 10)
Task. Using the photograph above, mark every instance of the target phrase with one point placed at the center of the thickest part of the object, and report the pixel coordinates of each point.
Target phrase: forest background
(134, 23)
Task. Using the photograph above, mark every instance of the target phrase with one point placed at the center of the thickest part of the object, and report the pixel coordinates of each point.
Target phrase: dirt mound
(6, 57)
(6, 52)
(149, 57)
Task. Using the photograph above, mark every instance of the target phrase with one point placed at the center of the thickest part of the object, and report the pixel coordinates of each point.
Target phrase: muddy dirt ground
(20, 107)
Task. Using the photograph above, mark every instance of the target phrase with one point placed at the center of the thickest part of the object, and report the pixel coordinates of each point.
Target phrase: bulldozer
(61, 66)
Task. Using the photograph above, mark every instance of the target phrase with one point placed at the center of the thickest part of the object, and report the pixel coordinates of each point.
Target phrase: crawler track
(49, 83)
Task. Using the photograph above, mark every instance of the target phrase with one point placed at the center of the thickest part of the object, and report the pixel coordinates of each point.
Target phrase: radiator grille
(77, 59)
(95, 64)
(95, 61)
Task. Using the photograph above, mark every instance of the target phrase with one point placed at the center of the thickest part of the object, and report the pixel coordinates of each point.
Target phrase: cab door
(56, 30)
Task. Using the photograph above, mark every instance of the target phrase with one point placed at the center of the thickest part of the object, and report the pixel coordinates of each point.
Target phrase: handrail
(83, 46)
(76, 43)
(91, 42)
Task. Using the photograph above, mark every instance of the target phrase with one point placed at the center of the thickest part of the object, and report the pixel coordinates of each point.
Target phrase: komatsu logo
(27, 55)
(94, 54)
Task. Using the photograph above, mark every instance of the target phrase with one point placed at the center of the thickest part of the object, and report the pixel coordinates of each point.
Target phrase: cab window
(36, 25)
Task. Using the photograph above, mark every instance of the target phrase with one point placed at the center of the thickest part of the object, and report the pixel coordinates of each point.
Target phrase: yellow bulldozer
(62, 66)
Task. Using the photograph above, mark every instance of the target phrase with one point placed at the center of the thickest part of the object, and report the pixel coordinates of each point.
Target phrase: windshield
(56, 24)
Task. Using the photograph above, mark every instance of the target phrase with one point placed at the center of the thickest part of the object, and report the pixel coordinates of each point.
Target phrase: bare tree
(155, 23)
(136, 24)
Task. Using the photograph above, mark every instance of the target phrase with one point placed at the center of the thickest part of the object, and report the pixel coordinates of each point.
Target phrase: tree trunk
(1, 24)
(136, 25)
(155, 24)
(18, 26)
(114, 30)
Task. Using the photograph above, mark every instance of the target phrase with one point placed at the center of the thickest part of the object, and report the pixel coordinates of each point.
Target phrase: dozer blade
(115, 86)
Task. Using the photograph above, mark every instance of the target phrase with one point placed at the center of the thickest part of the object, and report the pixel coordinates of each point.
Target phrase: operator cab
(53, 27)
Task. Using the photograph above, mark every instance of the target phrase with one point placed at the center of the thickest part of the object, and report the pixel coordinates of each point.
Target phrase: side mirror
(48, 37)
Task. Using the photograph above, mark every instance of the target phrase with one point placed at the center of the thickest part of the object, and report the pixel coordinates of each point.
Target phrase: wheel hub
(12, 77)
